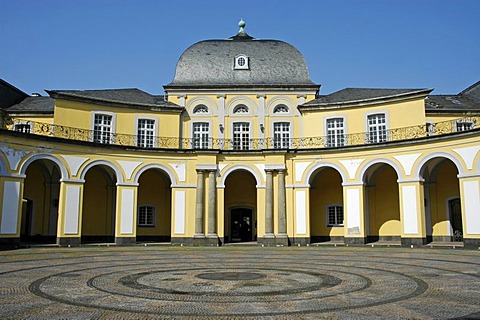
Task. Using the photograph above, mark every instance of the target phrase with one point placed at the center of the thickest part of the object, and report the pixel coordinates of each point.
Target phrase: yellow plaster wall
(79, 115)
(325, 190)
(398, 115)
(446, 187)
(384, 205)
(98, 197)
(34, 189)
(154, 189)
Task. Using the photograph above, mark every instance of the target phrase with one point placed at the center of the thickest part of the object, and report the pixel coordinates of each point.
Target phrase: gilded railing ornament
(355, 139)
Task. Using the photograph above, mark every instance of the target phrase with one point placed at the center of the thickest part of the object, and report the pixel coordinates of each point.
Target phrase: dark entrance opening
(241, 225)
(455, 210)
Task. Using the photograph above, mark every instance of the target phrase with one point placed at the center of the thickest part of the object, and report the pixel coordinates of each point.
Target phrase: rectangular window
(146, 216)
(102, 128)
(145, 133)
(377, 128)
(200, 135)
(241, 136)
(23, 127)
(335, 215)
(463, 125)
(281, 135)
(335, 133)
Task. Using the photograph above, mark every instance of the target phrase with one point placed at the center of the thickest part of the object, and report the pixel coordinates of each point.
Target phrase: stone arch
(43, 156)
(278, 100)
(420, 167)
(255, 173)
(369, 164)
(311, 171)
(249, 102)
(158, 166)
(197, 101)
(118, 173)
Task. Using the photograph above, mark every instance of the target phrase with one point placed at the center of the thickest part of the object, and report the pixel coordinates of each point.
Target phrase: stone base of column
(182, 241)
(473, 244)
(353, 241)
(268, 241)
(212, 240)
(416, 242)
(69, 241)
(282, 240)
(300, 241)
(125, 241)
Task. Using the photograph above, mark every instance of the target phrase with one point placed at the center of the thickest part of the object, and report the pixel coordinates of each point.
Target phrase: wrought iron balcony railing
(355, 139)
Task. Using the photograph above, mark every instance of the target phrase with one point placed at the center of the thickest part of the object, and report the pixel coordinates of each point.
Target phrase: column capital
(275, 167)
(261, 96)
(221, 96)
(207, 167)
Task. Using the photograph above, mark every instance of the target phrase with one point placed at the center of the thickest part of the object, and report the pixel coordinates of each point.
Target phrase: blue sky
(101, 44)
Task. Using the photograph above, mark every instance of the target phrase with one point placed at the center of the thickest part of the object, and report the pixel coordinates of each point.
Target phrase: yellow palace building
(241, 148)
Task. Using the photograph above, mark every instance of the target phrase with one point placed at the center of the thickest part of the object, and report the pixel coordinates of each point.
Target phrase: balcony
(355, 139)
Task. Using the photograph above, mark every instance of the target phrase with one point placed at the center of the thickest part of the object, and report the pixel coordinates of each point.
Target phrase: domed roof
(270, 63)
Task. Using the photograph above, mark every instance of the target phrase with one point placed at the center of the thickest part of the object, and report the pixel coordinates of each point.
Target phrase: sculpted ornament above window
(201, 109)
(240, 109)
(281, 108)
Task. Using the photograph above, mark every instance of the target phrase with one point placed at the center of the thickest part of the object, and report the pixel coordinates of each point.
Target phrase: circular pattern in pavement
(254, 283)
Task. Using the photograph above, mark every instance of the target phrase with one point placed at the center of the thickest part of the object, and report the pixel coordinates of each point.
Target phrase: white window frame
(209, 135)
(155, 130)
(242, 143)
(154, 216)
(369, 139)
(23, 124)
(460, 125)
(285, 143)
(112, 125)
(327, 215)
(237, 65)
(336, 135)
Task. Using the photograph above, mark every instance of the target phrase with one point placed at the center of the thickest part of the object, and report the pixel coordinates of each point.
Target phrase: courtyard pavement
(170, 282)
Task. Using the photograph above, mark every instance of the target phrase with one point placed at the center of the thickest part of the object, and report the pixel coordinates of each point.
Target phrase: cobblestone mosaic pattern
(239, 283)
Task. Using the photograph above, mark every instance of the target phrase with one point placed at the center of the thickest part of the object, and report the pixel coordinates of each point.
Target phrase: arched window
(281, 108)
(200, 109)
(240, 109)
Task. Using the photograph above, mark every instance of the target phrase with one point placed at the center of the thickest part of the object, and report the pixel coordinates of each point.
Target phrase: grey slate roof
(356, 96)
(210, 64)
(34, 105)
(10, 95)
(466, 101)
(126, 97)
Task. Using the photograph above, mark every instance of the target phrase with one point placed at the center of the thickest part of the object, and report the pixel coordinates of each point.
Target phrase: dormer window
(241, 62)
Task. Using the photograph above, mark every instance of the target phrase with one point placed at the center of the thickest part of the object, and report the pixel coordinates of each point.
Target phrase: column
(11, 210)
(470, 200)
(354, 213)
(69, 227)
(199, 206)
(212, 207)
(412, 213)
(269, 205)
(126, 217)
(282, 238)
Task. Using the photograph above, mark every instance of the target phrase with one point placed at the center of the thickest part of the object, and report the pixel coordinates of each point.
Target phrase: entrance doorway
(242, 225)
(455, 211)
